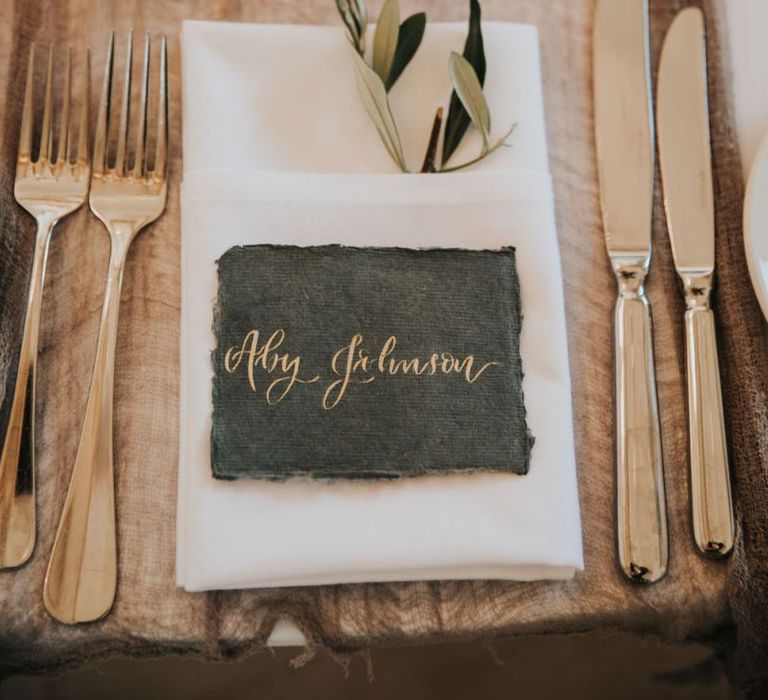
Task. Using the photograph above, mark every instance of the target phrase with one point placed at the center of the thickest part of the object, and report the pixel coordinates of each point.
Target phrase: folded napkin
(278, 149)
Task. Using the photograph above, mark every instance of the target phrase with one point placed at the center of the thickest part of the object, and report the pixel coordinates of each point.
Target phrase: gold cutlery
(624, 138)
(686, 170)
(49, 187)
(81, 579)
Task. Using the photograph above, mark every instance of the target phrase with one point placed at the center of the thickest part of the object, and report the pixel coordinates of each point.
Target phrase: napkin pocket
(341, 362)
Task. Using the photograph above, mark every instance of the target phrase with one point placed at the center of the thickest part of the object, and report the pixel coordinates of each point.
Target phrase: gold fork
(82, 572)
(49, 188)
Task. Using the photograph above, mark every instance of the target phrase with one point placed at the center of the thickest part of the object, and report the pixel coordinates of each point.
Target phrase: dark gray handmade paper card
(336, 362)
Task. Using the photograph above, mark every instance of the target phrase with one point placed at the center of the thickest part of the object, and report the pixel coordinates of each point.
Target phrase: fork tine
(46, 133)
(122, 134)
(62, 150)
(82, 142)
(25, 136)
(161, 146)
(100, 145)
(141, 126)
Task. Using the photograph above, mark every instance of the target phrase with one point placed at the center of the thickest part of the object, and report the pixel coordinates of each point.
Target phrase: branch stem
(486, 152)
(430, 156)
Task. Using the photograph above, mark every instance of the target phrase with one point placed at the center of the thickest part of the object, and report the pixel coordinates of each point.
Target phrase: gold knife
(684, 156)
(624, 138)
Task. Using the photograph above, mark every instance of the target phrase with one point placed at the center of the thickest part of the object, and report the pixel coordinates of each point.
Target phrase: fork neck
(46, 218)
(45, 223)
(122, 234)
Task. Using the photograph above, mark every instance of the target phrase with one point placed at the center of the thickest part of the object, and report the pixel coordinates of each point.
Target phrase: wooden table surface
(151, 615)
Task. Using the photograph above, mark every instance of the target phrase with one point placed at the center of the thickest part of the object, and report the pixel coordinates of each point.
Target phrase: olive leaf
(458, 120)
(361, 15)
(374, 95)
(385, 38)
(408, 40)
(355, 18)
(470, 92)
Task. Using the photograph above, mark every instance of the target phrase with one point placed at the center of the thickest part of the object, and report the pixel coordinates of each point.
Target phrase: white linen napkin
(278, 149)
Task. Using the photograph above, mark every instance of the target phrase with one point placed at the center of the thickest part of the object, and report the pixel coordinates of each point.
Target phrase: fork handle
(17, 459)
(82, 572)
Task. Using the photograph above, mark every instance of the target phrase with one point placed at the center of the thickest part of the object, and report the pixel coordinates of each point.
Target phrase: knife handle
(641, 504)
(711, 504)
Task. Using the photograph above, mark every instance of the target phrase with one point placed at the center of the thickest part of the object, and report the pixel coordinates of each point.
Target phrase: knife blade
(623, 125)
(624, 140)
(686, 170)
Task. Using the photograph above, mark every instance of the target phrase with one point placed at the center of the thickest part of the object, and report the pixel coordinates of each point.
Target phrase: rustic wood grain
(151, 615)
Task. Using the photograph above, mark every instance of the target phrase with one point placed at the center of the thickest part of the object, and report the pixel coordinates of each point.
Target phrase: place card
(338, 362)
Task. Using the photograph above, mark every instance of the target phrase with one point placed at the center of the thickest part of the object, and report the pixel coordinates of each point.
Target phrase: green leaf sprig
(394, 46)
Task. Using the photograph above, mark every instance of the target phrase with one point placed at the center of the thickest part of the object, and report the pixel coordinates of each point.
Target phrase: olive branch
(394, 46)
